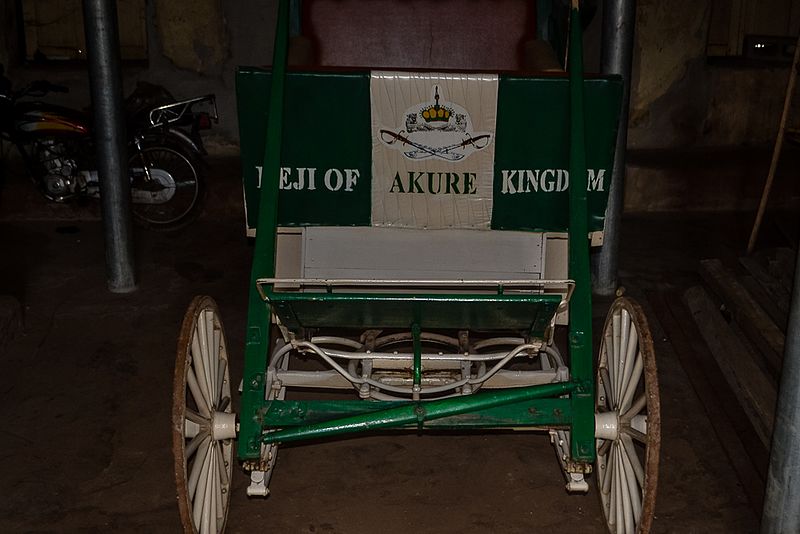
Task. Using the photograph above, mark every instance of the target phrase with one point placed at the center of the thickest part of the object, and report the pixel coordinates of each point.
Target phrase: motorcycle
(164, 160)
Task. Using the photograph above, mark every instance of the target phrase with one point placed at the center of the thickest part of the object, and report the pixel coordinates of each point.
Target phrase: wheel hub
(223, 426)
(606, 425)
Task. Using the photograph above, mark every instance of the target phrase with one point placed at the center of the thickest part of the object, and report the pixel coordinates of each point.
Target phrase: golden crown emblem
(436, 113)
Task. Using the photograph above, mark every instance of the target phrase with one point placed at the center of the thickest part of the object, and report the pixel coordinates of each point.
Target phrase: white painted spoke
(619, 520)
(207, 497)
(195, 417)
(622, 351)
(202, 339)
(631, 355)
(627, 509)
(634, 490)
(606, 380)
(215, 519)
(217, 359)
(197, 394)
(630, 452)
(205, 351)
(609, 352)
(195, 442)
(616, 325)
(201, 486)
(221, 367)
(201, 366)
(636, 409)
(602, 450)
(190, 429)
(635, 434)
(197, 469)
(606, 479)
(208, 319)
(223, 470)
(638, 367)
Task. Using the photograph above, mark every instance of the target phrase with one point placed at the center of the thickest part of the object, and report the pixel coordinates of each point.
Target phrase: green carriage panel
(531, 182)
(326, 127)
(327, 139)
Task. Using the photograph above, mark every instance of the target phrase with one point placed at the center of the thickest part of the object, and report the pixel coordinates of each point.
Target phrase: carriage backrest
(347, 161)
(420, 34)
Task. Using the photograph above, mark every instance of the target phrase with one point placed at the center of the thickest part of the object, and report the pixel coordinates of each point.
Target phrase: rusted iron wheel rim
(203, 425)
(628, 410)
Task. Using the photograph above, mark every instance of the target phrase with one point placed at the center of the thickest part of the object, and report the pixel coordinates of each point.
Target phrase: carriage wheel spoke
(195, 442)
(207, 500)
(197, 468)
(630, 452)
(616, 518)
(627, 511)
(212, 354)
(603, 449)
(201, 367)
(605, 480)
(622, 351)
(197, 394)
(607, 387)
(223, 469)
(221, 368)
(205, 351)
(195, 417)
(201, 485)
(613, 365)
(636, 409)
(632, 357)
(634, 487)
(635, 434)
(216, 492)
(638, 367)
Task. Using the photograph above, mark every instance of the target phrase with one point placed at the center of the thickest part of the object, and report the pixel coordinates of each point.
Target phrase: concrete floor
(85, 392)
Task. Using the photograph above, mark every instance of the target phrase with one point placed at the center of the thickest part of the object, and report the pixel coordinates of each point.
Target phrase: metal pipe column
(619, 20)
(781, 513)
(102, 47)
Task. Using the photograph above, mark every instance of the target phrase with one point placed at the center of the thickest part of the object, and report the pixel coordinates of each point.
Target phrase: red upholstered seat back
(419, 34)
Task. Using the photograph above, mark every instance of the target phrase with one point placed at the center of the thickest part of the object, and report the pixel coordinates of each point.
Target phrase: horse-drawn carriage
(420, 238)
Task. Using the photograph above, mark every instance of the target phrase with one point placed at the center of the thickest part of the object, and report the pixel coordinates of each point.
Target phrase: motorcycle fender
(176, 137)
(196, 148)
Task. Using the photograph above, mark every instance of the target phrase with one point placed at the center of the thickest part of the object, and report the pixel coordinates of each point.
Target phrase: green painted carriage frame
(568, 405)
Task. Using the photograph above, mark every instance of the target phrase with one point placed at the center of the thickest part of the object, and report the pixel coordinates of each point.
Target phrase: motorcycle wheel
(167, 188)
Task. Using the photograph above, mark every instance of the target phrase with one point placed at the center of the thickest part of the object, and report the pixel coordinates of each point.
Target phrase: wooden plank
(767, 303)
(771, 286)
(746, 453)
(750, 384)
(782, 267)
(750, 317)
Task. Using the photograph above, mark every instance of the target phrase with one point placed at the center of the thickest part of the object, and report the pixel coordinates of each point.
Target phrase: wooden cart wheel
(203, 425)
(628, 421)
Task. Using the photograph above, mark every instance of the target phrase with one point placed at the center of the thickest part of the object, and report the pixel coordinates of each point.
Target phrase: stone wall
(680, 99)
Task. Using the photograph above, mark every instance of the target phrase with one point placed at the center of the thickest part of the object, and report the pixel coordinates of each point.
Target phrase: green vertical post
(258, 314)
(580, 320)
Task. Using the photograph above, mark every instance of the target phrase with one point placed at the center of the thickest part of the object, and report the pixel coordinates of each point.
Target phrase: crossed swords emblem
(421, 151)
